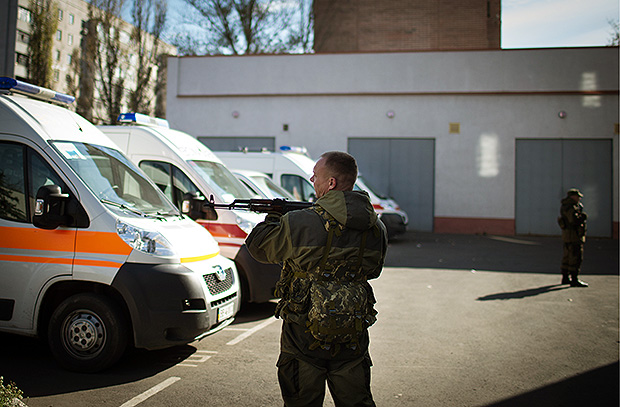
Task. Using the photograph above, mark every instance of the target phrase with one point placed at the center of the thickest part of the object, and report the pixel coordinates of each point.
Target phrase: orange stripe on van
(101, 242)
(63, 240)
(224, 230)
(37, 239)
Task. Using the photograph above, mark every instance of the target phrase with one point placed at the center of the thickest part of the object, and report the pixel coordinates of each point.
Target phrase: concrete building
(406, 25)
(466, 142)
(71, 16)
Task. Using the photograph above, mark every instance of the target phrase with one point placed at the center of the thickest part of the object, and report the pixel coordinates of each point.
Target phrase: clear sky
(557, 23)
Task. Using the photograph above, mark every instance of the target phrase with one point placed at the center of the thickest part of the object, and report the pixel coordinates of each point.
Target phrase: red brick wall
(406, 25)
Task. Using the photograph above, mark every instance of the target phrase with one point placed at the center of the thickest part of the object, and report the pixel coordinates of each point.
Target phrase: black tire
(87, 333)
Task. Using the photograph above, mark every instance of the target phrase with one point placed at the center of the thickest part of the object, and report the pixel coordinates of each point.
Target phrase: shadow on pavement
(28, 362)
(255, 312)
(524, 254)
(597, 387)
(530, 292)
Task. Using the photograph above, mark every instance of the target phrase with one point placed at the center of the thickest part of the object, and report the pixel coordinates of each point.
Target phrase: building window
(69, 59)
(70, 39)
(57, 55)
(56, 75)
(24, 15)
(71, 19)
(23, 37)
(59, 35)
(125, 37)
(21, 59)
(60, 13)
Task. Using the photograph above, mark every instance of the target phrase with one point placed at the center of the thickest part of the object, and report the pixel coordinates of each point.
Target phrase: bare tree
(111, 57)
(302, 38)
(87, 67)
(44, 26)
(161, 86)
(73, 75)
(615, 33)
(242, 27)
(149, 17)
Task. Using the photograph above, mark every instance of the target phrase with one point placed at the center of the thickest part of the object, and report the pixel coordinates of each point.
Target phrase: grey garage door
(403, 169)
(546, 169)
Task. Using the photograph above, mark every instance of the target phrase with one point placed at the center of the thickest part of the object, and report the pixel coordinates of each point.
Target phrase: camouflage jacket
(574, 220)
(298, 240)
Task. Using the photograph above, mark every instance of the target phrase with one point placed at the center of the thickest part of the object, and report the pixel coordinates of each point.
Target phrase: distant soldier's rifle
(278, 205)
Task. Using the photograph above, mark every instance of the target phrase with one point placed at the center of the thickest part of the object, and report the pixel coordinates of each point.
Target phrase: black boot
(565, 278)
(575, 282)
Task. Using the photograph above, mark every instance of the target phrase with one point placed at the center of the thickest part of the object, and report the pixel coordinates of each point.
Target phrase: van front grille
(217, 285)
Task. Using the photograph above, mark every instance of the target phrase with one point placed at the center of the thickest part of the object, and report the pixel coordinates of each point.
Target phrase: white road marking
(150, 392)
(200, 356)
(251, 331)
(511, 240)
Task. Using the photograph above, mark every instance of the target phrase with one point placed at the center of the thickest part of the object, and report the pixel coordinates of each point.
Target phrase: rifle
(278, 205)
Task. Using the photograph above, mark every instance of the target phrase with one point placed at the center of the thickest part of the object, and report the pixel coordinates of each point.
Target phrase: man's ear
(332, 183)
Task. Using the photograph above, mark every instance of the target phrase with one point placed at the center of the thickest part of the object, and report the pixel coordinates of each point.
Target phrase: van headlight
(245, 224)
(147, 241)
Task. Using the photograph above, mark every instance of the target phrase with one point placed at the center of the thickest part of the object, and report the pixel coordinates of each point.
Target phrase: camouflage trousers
(302, 373)
(572, 258)
(303, 383)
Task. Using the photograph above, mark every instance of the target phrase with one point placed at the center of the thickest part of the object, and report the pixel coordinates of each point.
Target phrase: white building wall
(495, 96)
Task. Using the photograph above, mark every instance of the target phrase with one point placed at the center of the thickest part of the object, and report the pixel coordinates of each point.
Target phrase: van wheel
(87, 333)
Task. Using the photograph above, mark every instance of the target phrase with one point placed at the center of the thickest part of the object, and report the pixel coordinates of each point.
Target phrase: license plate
(225, 312)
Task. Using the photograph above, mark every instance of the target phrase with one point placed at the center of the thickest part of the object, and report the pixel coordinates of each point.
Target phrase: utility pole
(8, 29)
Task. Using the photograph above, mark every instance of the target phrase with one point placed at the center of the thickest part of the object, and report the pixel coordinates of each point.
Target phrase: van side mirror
(49, 208)
(194, 207)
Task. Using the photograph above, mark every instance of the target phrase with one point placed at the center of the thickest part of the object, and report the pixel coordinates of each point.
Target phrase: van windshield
(114, 179)
(222, 181)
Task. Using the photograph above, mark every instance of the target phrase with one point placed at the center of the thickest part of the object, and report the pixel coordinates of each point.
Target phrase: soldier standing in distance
(572, 220)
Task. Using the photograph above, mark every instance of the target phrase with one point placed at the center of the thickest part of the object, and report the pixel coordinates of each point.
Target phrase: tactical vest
(336, 296)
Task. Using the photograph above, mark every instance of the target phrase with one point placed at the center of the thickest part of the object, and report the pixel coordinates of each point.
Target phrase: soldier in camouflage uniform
(328, 252)
(572, 220)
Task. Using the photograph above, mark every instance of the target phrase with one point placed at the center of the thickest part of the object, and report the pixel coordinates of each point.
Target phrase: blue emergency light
(142, 119)
(294, 149)
(39, 92)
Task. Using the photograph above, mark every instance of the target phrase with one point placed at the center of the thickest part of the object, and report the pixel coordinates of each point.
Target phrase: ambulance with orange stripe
(189, 173)
(93, 257)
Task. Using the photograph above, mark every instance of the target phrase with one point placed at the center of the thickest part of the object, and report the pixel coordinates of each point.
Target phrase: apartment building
(72, 15)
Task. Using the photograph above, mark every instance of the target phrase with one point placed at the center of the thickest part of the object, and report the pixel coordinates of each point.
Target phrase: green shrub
(8, 393)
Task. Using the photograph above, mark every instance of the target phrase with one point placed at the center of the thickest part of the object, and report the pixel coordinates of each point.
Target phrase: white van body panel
(34, 261)
(262, 184)
(147, 144)
(150, 143)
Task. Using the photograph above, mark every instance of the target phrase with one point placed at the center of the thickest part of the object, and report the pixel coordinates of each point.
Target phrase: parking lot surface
(463, 321)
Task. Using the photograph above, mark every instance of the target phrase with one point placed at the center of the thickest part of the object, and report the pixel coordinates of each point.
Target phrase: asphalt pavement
(464, 320)
(488, 324)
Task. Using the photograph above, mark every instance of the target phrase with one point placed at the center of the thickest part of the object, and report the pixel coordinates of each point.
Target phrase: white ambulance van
(291, 168)
(262, 185)
(93, 257)
(179, 165)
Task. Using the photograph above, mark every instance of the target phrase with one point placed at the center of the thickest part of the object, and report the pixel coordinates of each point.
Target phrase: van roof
(303, 161)
(183, 144)
(42, 121)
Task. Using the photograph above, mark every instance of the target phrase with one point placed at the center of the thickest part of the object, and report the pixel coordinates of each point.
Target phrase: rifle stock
(278, 205)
